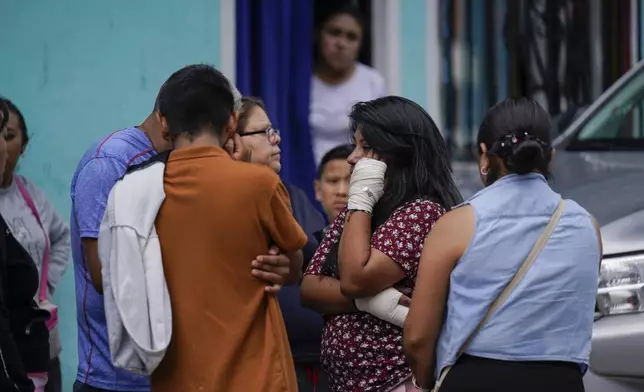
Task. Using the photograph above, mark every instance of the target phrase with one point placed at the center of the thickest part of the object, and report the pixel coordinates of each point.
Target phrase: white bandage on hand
(367, 184)
(384, 305)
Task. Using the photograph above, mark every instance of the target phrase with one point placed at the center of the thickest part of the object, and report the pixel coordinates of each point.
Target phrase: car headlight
(621, 285)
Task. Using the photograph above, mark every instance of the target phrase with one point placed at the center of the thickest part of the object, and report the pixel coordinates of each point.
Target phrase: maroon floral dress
(359, 351)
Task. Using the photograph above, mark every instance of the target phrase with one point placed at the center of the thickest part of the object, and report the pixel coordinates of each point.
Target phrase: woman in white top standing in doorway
(339, 80)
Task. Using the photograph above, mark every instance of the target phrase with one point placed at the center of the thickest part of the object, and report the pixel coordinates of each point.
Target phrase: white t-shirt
(331, 104)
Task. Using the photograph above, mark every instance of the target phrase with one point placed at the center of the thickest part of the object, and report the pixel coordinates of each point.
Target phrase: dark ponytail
(527, 157)
(518, 132)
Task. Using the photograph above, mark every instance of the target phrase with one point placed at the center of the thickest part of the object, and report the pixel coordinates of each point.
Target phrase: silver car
(599, 163)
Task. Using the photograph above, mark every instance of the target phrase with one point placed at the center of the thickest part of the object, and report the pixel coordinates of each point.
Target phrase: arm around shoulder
(284, 230)
(278, 218)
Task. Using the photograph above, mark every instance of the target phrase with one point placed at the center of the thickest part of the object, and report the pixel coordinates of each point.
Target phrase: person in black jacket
(24, 339)
(303, 326)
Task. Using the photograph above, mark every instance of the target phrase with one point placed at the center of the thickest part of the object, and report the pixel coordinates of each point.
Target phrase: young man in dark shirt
(332, 184)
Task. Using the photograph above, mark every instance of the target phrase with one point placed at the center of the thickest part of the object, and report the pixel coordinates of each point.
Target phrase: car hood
(625, 235)
(610, 185)
(611, 198)
(617, 202)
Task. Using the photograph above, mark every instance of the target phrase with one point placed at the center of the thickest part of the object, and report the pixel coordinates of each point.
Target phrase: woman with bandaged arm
(365, 267)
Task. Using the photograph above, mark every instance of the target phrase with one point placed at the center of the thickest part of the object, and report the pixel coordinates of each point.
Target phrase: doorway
(322, 8)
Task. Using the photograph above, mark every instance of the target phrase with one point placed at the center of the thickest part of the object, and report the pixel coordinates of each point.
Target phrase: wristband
(359, 210)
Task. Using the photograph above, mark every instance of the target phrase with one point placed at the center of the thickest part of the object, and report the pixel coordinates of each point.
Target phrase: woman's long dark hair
(406, 138)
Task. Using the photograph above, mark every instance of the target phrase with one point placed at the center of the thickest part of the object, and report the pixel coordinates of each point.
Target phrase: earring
(484, 171)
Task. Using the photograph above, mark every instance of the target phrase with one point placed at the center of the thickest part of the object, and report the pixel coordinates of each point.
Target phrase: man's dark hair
(195, 99)
(339, 152)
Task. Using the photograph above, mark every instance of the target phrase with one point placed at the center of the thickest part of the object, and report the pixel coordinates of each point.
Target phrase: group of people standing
(198, 269)
(407, 285)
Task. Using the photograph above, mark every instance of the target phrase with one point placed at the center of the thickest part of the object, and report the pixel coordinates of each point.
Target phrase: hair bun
(527, 156)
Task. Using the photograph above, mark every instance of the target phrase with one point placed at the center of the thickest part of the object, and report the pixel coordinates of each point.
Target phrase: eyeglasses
(271, 133)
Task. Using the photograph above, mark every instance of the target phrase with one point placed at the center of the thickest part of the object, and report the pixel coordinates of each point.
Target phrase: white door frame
(385, 42)
(227, 39)
(434, 61)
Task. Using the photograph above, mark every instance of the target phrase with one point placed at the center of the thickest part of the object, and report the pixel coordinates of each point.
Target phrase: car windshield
(618, 124)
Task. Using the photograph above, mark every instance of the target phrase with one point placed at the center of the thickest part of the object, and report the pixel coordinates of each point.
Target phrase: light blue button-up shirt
(549, 315)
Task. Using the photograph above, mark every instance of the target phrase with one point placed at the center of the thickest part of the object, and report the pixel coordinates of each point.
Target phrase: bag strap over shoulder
(44, 273)
(523, 270)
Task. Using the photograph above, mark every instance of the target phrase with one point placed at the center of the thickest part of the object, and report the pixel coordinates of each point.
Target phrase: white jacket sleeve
(137, 303)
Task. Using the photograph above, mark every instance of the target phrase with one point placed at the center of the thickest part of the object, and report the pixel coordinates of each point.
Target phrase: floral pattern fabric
(359, 351)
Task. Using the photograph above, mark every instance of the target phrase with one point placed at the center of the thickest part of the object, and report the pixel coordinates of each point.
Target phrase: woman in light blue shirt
(539, 338)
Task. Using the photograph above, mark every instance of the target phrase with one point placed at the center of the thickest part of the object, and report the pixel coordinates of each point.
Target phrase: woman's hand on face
(367, 184)
(234, 146)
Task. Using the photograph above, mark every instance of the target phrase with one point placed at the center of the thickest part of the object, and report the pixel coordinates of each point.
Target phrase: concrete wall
(79, 69)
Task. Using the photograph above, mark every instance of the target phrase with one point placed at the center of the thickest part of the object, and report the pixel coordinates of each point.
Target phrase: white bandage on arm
(384, 305)
(367, 184)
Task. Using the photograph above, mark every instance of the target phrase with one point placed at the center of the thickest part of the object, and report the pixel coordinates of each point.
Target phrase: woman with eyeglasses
(304, 327)
(258, 134)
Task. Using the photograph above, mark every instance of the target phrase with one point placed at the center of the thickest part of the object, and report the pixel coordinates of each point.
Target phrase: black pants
(80, 387)
(54, 377)
(474, 374)
(311, 378)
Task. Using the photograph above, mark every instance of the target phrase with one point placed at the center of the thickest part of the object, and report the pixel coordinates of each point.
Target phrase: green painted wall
(79, 69)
